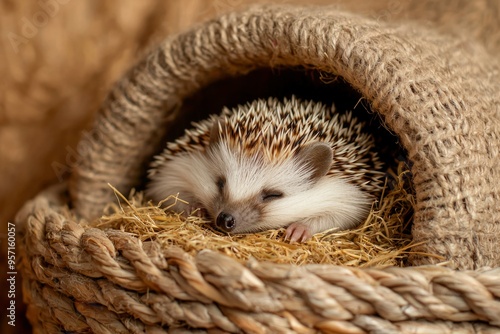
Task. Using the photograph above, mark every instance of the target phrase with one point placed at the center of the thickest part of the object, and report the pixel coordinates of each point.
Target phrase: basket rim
(65, 262)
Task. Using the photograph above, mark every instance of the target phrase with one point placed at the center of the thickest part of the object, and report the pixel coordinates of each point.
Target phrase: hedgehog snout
(225, 222)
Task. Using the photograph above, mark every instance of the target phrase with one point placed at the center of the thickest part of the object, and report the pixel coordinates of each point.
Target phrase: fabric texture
(438, 93)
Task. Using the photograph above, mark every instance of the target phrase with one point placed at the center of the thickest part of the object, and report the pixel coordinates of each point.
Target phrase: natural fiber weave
(438, 93)
(83, 279)
(437, 90)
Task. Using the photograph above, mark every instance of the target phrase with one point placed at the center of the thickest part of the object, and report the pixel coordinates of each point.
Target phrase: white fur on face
(330, 203)
(247, 176)
(327, 203)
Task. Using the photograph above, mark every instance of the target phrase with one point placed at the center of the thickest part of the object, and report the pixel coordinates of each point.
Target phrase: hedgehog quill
(272, 164)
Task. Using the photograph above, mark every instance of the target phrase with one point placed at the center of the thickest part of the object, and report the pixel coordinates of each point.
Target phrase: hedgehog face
(247, 193)
(249, 189)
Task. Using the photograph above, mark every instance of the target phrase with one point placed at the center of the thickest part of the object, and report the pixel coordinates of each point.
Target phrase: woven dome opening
(382, 239)
(283, 82)
(436, 112)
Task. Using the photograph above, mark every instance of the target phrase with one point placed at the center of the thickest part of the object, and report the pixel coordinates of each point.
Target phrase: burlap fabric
(439, 94)
(438, 91)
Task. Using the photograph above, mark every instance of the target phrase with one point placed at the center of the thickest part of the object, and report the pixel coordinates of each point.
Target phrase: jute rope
(85, 279)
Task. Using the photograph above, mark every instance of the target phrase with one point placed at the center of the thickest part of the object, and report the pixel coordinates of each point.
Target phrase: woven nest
(128, 272)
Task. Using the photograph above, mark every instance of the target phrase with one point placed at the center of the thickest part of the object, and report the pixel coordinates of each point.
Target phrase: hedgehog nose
(225, 222)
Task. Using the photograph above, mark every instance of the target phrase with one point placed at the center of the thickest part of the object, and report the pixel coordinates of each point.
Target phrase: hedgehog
(272, 164)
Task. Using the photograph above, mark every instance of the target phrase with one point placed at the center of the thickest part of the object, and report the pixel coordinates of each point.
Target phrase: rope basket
(437, 93)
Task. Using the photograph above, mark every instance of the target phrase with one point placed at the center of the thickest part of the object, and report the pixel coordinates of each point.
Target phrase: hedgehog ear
(317, 157)
(217, 129)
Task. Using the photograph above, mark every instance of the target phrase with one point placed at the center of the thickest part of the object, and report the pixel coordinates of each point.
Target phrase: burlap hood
(438, 93)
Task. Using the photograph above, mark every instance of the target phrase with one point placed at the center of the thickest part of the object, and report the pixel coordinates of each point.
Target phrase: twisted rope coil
(84, 279)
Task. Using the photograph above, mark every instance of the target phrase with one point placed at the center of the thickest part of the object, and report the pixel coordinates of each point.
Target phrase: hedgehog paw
(190, 209)
(298, 232)
(195, 210)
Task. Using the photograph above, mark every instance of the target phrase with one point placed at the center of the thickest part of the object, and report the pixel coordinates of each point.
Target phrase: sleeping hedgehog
(272, 164)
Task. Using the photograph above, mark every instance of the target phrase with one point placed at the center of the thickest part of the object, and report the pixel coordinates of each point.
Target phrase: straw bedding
(436, 90)
(382, 240)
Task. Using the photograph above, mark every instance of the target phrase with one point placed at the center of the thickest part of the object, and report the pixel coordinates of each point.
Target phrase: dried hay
(384, 239)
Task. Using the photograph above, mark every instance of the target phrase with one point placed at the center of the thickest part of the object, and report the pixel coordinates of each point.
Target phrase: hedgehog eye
(270, 195)
(221, 182)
